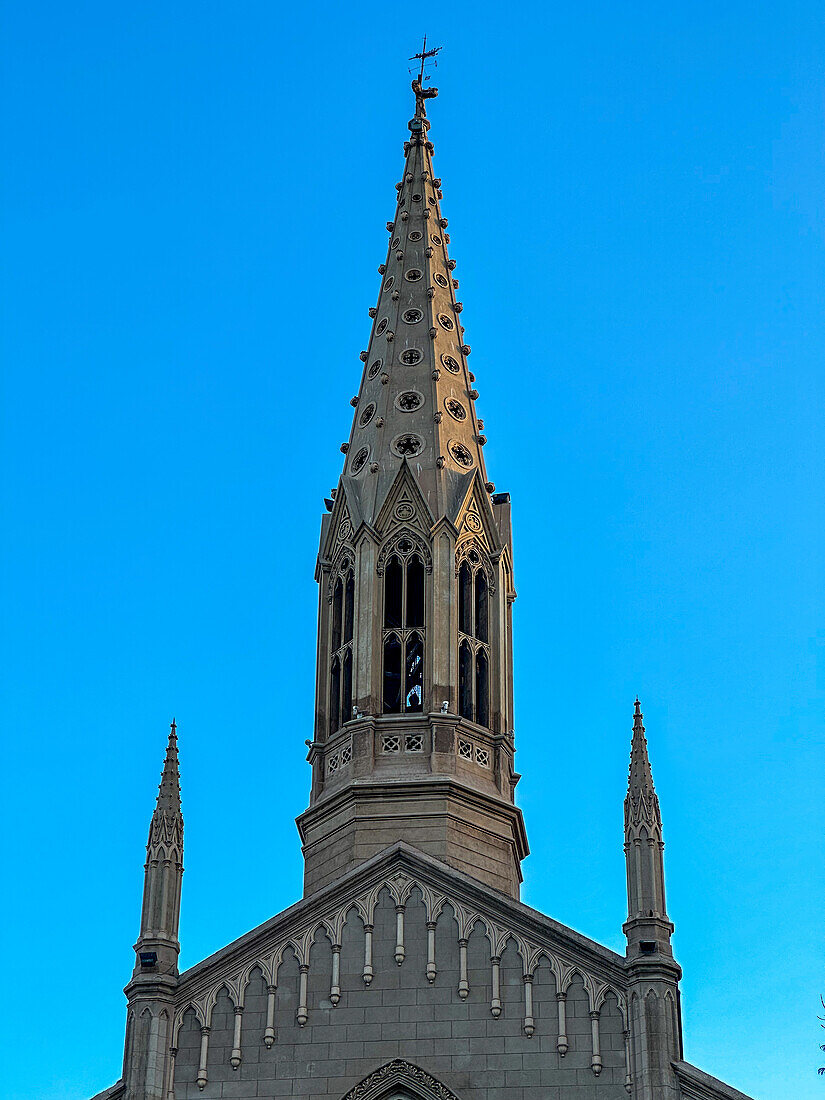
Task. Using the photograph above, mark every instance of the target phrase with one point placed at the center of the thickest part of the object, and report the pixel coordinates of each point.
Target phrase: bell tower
(413, 731)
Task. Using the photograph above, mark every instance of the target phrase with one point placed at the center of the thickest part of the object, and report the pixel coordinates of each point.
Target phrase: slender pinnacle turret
(151, 991)
(641, 806)
(164, 868)
(647, 925)
(416, 401)
(653, 974)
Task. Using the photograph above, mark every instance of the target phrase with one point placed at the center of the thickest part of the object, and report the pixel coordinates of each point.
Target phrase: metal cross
(423, 57)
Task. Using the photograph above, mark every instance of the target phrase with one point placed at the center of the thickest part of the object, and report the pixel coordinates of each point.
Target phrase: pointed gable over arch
(399, 1079)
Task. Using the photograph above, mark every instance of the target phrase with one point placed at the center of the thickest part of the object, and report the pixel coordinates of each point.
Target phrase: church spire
(648, 928)
(416, 400)
(414, 703)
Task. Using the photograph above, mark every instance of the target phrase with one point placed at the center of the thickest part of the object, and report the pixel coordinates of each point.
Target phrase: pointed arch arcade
(342, 631)
(404, 562)
(476, 589)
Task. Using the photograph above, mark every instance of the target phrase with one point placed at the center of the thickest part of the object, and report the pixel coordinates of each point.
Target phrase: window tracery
(461, 455)
(474, 590)
(360, 460)
(409, 400)
(404, 569)
(407, 446)
(341, 644)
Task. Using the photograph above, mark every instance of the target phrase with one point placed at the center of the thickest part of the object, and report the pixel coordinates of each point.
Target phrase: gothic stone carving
(398, 1073)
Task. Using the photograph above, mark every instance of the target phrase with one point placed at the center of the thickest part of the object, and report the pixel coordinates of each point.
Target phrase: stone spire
(647, 914)
(151, 991)
(168, 803)
(414, 702)
(416, 401)
(653, 974)
(641, 804)
(164, 867)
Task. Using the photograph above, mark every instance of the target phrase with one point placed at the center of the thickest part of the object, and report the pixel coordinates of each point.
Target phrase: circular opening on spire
(382, 324)
(388, 282)
(375, 367)
(396, 241)
(416, 235)
(412, 316)
(367, 415)
(360, 460)
(455, 408)
(451, 364)
(446, 322)
(411, 356)
(416, 197)
(431, 201)
(461, 455)
(413, 275)
(407, 446)
(435, 238)
(441, 280)
(409, 401)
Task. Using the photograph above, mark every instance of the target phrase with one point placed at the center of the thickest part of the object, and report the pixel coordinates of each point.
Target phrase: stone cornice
(577, 952)
(382, 792)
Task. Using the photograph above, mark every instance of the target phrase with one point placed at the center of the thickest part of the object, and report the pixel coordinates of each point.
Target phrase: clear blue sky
(194, 199)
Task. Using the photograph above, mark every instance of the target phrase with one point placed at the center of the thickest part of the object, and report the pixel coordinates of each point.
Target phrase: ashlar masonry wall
(400, 1014)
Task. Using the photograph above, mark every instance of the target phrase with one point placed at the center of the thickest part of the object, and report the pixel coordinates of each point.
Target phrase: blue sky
(194, 199)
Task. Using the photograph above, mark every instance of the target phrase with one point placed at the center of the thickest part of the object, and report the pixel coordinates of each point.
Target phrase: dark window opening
(474, 675)
(334, 696)
(392, 675)
(393, 582)
(415, 592)
(349, 607)
(414, 674)
(404, 601)
(465, 599)
(481, 607)
(482, 689)
(465, 681)
(337, 601)
(346, 687)
(341, 642)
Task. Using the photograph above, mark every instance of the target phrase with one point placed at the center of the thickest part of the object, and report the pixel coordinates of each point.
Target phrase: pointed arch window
(473, 640)
(342, 628)
(404, 591)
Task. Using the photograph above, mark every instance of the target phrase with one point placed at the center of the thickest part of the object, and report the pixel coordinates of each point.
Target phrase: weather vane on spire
(422, 93)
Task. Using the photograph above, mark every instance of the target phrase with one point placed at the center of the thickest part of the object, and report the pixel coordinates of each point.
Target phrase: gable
(404, 981)
(474, 519)
(404, 504)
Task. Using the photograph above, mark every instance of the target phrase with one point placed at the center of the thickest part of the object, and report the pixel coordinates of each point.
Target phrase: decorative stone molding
(473, 550)
(400, 886)
(397, 544)
(400, 1074)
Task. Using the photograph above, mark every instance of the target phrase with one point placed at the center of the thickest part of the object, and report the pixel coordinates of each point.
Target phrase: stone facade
(410, 968)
